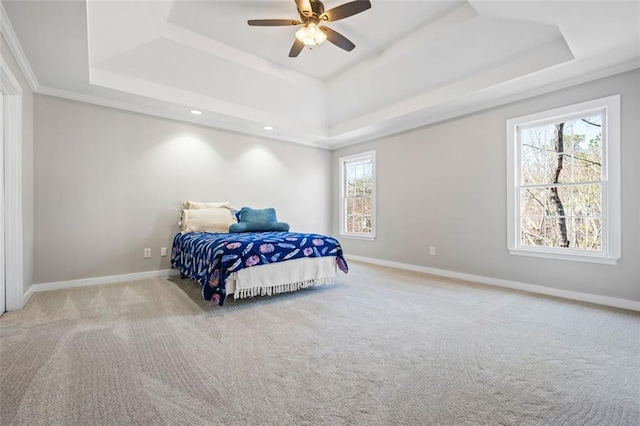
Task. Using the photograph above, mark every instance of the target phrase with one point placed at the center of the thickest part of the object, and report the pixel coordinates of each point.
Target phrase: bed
(249, 264)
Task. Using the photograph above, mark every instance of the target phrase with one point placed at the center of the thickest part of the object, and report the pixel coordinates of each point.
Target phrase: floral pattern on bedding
(210, 258)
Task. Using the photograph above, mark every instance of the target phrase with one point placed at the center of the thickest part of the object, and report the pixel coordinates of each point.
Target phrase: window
(358, 187)
(564, 182)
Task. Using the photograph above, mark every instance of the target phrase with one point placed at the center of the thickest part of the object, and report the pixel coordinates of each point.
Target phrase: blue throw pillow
(247, 214)
(258, 220)
(259, 227)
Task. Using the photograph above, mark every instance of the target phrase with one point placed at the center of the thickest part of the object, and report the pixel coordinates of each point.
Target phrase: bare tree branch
(534, 147)
(566, 155)
(589, 122)
(536, 199)
(584, 159)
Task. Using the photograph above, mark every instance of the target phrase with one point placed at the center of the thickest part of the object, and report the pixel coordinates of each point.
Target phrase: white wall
(109, 183)
(27, 164)
(445, 186)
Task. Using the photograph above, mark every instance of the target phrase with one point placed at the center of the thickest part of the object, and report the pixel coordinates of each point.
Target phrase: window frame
(343, 161)
(611, 199)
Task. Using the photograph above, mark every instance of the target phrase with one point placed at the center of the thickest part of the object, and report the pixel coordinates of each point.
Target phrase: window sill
(358, 237)
(561, 256)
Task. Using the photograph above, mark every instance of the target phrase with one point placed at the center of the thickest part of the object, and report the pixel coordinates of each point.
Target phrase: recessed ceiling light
(195, 112)
(268, 128)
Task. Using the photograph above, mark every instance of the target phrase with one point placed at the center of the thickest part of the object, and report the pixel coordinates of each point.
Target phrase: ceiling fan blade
(338, 39)
(273, 22)
(345, 10)
(296, 48)
(304, 7)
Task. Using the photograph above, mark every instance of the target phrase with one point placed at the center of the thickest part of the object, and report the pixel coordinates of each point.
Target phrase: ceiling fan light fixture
(311, 35)
(311, 14)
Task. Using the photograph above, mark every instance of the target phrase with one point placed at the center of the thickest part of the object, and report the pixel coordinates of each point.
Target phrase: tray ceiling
(415, 62)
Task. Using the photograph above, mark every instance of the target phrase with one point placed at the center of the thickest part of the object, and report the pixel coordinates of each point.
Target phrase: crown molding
(100, 101)
(16, 49)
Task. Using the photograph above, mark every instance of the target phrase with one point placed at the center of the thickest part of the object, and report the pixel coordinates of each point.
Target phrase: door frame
(3, 284)
(13, 229)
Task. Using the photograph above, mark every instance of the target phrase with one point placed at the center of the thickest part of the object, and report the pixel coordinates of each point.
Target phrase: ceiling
(415, 62)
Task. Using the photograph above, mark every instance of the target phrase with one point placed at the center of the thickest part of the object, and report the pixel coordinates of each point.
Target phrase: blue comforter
(210, 258)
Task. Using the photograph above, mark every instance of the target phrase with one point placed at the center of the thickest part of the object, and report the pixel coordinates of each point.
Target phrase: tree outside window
(561, 184)
(358, 195)
(564, 184)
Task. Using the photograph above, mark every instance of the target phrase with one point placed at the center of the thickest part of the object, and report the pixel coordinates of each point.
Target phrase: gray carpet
(380, 347)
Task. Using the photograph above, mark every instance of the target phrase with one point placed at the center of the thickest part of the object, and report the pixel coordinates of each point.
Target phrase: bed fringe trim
(280, 288)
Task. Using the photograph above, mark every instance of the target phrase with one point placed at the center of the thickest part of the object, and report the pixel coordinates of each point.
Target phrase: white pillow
(198, 205)
(207, 220)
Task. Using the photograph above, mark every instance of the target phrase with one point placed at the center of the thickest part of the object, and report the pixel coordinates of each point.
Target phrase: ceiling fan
(312, 14)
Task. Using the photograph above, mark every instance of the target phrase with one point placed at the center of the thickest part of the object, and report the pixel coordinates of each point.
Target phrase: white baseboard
(35, 288)
(573, 295)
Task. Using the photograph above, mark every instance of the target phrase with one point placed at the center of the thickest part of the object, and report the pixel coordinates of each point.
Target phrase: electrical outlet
(432, 251)
(147, 253)
(163, 251)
